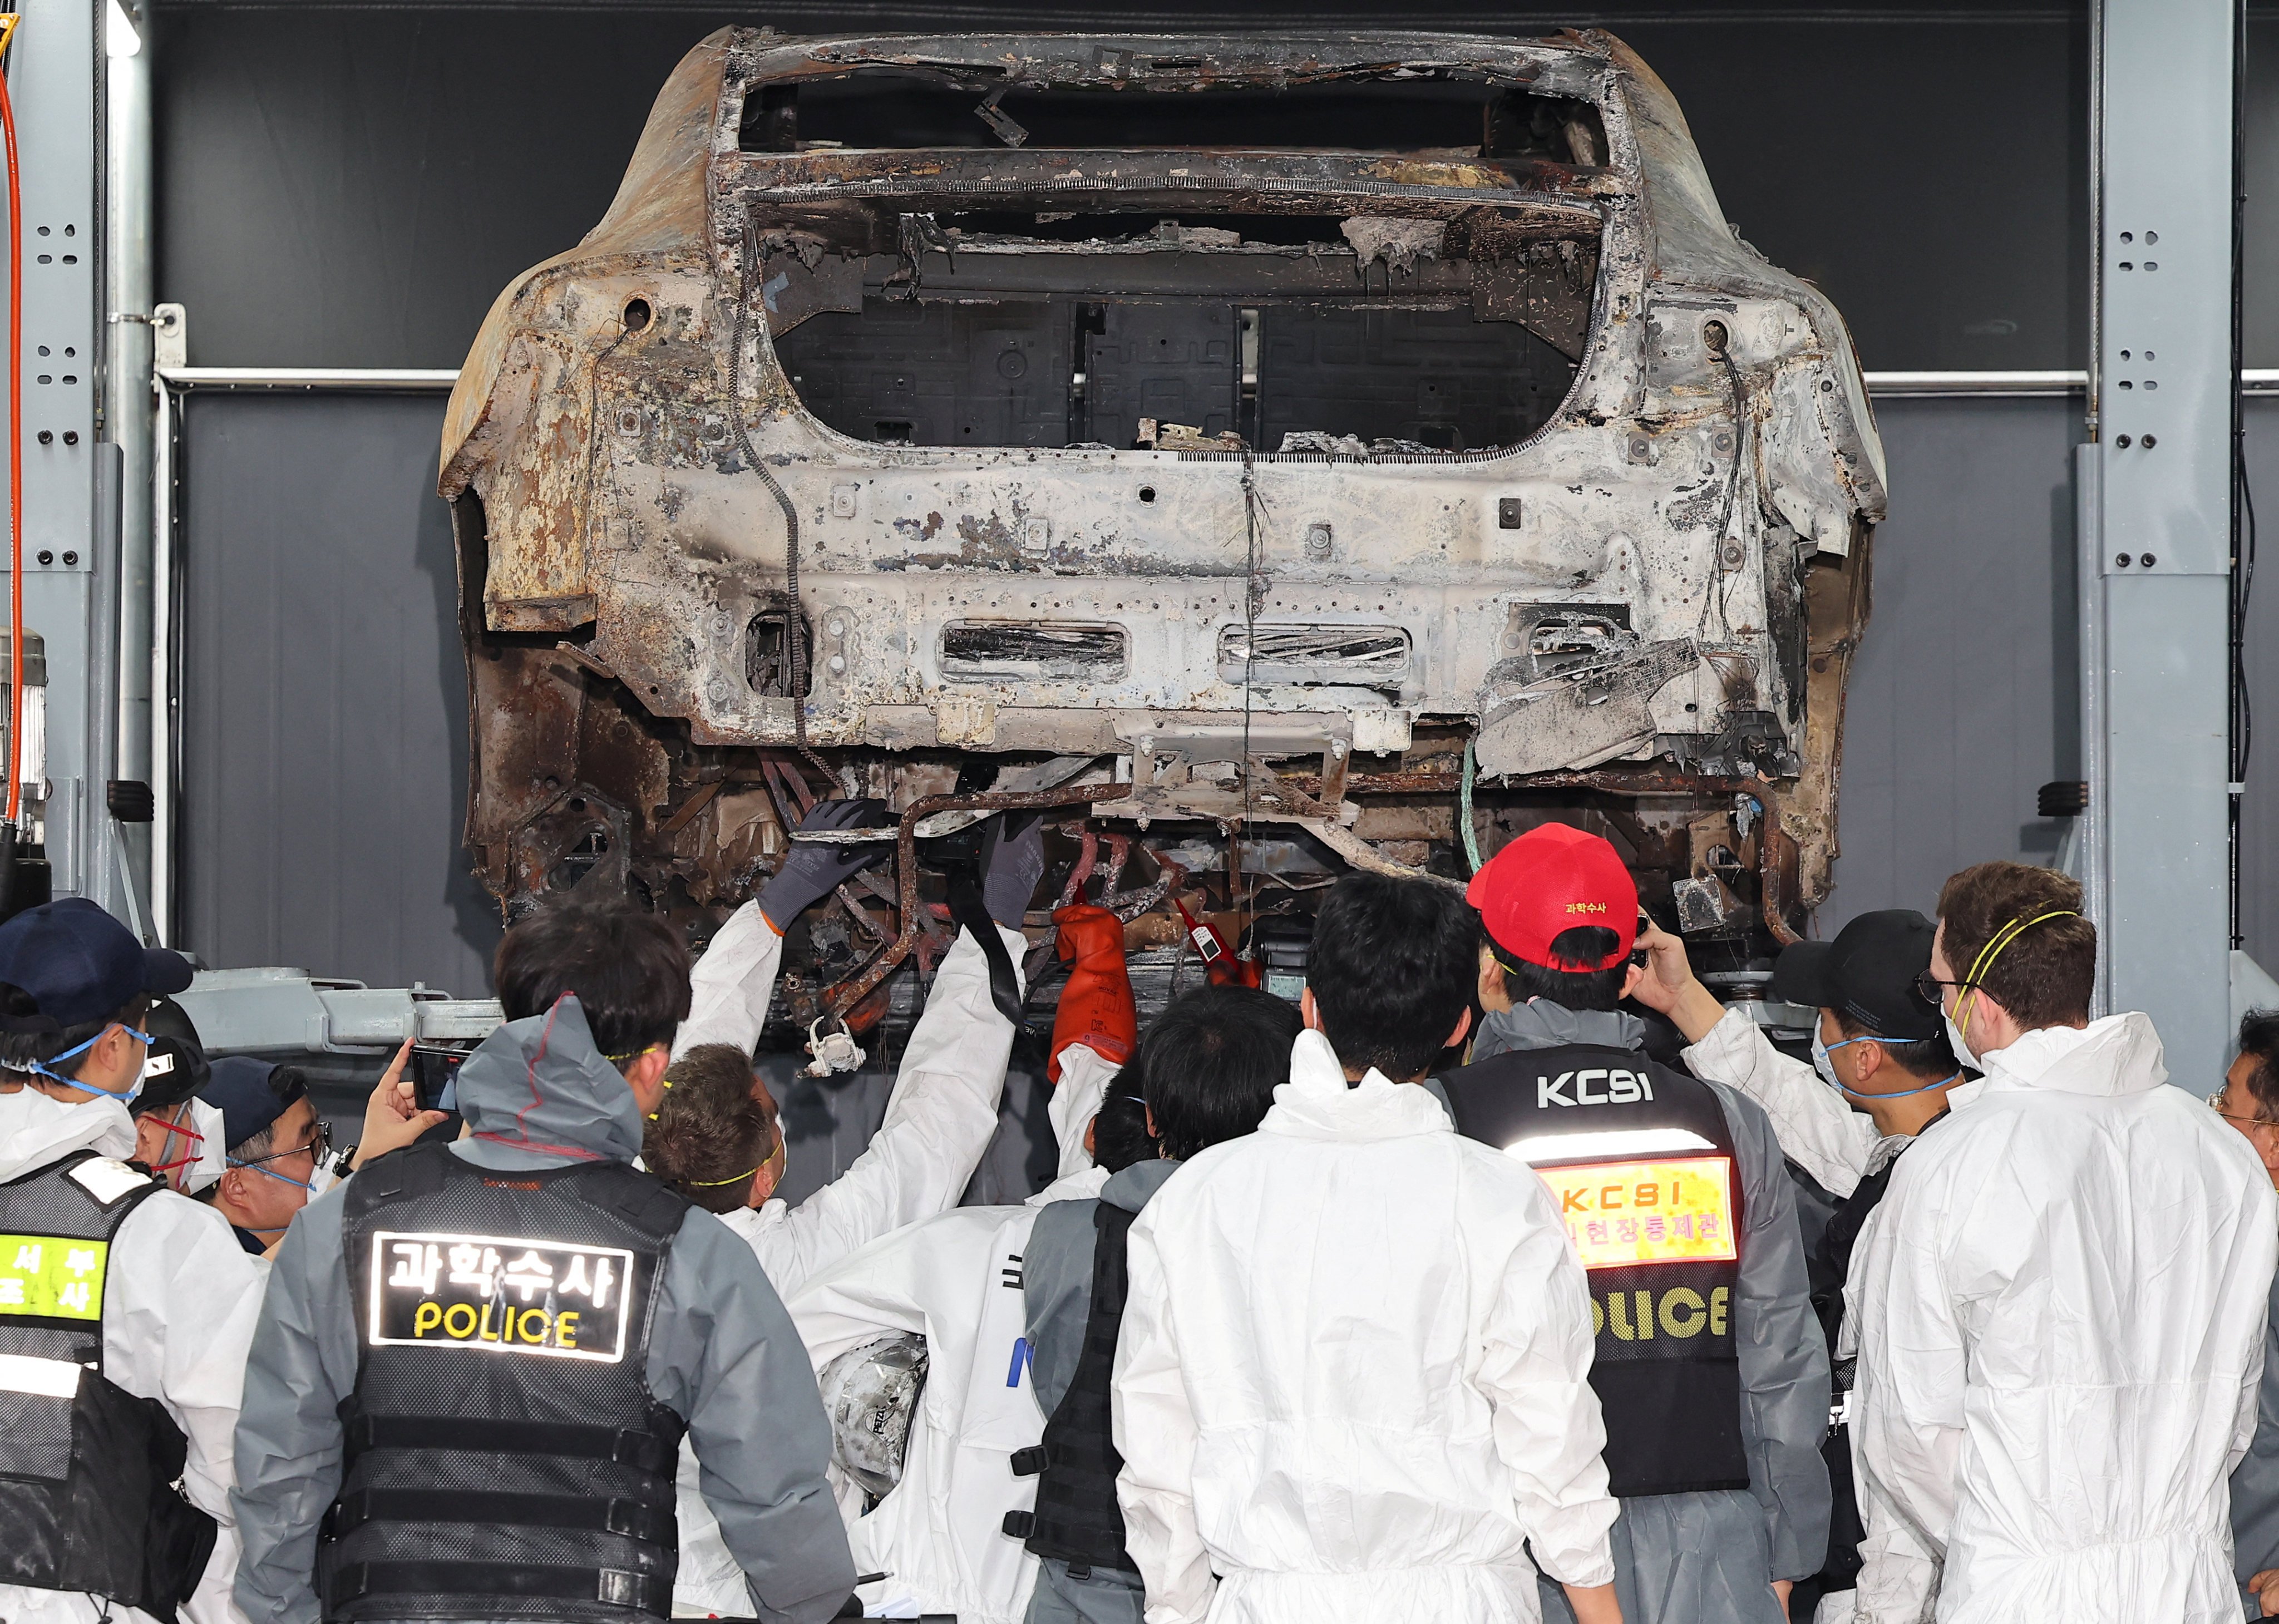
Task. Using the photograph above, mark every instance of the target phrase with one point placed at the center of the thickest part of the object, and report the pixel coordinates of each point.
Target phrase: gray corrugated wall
(324, 704)
(325, 738)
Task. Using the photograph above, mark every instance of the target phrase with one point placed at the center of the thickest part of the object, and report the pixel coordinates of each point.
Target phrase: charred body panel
(1280, 415)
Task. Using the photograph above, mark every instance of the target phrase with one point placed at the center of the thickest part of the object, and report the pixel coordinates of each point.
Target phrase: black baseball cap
(81, 965)
(244, 1090)
(1867, 974)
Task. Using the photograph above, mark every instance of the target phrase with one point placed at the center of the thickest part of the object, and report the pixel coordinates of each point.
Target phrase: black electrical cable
(795, 628)
(1718, 572)
(2242, 495)
(1250, 597)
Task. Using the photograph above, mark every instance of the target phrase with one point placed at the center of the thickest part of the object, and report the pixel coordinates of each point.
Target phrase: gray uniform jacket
(1710, 1559)
(2255, 1480)
(723, 1354)
(1057, 1298)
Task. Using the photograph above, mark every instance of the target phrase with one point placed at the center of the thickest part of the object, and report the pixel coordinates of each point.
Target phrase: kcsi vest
(87, 1470)
(504, 1457)
(1641, 1163)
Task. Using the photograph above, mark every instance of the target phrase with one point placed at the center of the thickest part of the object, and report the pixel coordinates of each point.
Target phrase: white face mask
(327, 1174)
(1962, 1051)
(212, 1158)
(1823, 1064)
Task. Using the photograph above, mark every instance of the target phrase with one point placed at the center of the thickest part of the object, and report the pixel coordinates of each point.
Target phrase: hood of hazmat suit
(1353, 1377)
(2061, 1313)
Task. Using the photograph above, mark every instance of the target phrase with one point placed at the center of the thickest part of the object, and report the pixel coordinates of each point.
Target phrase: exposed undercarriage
(1271, 456)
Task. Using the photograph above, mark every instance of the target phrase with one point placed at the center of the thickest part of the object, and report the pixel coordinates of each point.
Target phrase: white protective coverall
(1820, 1132)
(2061, 1312)
(938, 1124)
(956, 1280)
(1354, 1375)
(181, 1299)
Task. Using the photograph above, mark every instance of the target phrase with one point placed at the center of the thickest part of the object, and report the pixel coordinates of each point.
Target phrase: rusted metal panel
(1684, 519)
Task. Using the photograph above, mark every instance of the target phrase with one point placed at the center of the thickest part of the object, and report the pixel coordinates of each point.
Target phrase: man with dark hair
(1208, 1068)
(2061, 1306)
(476, 1361)
(1880, 1075)
(1711, 1368)
(2249, 1100)
(274, 1140)
(1351, 1377)
(1378, 979)
(125, 1307)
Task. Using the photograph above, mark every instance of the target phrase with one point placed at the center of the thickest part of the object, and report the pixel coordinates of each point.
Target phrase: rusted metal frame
(698, 800)
(787, 788)
(1618, 783)
(1777, 867)
(851, 992)
(1073, 891)
(1129, 905)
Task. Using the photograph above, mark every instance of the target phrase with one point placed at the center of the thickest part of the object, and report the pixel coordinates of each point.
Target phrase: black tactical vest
(1078, 1519)
(1829, 1264)
(504, 1457)
(1655, 1215)
(87, 1470)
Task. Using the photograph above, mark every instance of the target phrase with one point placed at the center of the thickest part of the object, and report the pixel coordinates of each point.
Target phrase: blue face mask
(282, 1178)
(123, 1095)
(1826, 1067)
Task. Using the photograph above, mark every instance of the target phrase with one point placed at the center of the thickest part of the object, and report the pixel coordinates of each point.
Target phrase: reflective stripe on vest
(1640, 1162)
(86, 1469)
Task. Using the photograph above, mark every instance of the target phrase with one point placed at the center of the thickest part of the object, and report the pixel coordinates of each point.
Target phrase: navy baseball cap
(1867, 973)
(81, 965)
(244, 1090)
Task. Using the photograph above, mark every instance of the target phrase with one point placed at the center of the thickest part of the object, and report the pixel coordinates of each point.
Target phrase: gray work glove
(1012, 862)
(813, 870)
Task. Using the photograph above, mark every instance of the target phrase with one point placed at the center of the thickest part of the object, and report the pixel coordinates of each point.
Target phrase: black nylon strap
(615, 1587)
(643, 1450)
(968, 906)
(630, 1518)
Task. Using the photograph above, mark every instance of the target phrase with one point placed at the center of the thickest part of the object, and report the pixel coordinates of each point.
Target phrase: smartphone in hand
(435, 1086)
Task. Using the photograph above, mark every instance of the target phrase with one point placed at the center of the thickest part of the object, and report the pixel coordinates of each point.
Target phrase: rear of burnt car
(1257, 422)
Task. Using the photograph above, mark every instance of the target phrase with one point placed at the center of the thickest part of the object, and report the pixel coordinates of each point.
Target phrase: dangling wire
(795, 626)
(1252, 590)
(15, 433)
(1716, 588)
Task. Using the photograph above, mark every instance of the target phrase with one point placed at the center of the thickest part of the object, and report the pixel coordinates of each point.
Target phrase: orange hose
(15, 442)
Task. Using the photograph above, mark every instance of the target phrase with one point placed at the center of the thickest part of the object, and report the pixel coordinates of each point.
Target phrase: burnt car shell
(1270, 418)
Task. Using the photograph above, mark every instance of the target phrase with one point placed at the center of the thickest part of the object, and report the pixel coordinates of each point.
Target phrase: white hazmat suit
(1353, 1375)
(2061, 1312)
(938, 1124)
(956, 1280)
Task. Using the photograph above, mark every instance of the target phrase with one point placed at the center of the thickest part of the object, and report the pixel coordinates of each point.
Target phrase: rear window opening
(1455, 356)
(1425, 113)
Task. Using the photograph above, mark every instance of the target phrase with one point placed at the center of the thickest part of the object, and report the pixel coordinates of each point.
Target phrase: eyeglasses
(2215, 1104)
(1927, 986)
(320, 1146)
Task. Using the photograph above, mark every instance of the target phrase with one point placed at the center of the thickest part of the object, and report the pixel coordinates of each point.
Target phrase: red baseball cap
(1551, 879)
